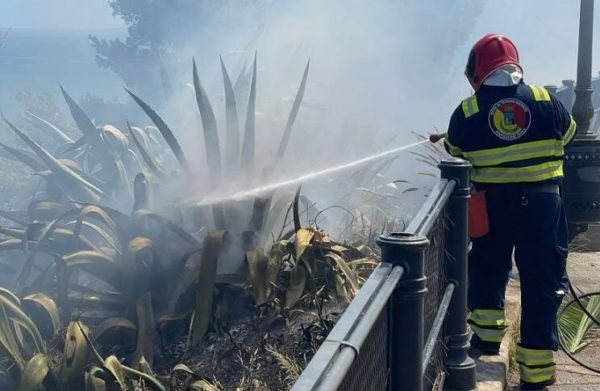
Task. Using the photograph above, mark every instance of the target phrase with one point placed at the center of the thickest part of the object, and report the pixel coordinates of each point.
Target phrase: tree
(3, 36)
(159, 31)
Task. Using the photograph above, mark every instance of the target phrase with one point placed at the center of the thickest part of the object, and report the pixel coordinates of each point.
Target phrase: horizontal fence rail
(406, 328)
(365, 317)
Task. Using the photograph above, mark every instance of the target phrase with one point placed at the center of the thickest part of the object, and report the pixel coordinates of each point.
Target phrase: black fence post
(406, 334)
(459, 366)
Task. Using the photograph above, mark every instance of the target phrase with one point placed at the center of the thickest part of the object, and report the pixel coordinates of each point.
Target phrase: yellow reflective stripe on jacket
(470, 106)
(570, 132)
(534, 357)
(540, 94)
(453, 149)
(516, 152)
(534, 173)
(488, 317)
(537, 375)
(489, 335)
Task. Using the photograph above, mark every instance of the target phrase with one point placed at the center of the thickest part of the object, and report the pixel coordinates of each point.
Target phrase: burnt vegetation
(111, 290)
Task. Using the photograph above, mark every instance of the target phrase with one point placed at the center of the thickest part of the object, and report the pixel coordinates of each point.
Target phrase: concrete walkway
(584, 271)
(493, 371)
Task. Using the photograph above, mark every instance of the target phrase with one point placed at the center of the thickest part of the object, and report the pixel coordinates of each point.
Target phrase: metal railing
(406, 328)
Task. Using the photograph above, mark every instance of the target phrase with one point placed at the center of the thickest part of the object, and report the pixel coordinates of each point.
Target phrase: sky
(534, 24)
(58, 14)
(544, 31)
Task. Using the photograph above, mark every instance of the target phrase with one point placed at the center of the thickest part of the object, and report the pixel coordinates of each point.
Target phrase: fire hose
(577, 300)
(434, 138)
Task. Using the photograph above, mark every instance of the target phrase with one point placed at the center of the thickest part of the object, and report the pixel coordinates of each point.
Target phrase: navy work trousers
(533, 225)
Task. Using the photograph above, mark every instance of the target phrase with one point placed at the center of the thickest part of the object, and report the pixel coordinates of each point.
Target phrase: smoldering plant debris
(109, 290)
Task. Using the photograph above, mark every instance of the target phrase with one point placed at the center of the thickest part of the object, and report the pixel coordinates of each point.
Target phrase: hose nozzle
(434, 138)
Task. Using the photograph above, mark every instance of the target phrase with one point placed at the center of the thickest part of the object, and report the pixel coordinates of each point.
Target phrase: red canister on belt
(478, 216)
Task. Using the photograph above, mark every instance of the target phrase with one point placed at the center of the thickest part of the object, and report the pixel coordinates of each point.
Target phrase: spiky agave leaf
(75, 353)
(302, 242)
(113, 366)
(143, 136)
(241, 79)
(145, 367)
(145, 321)
(115, 139)
(10, 296)
(150, 381)
(296, 285)
(15, 313)
(213, 245)
(349, 276)
(163, 129)
(83, 122)
(249, 129)
(23, 156)
(293, 114)
(8, 339)
(275, 212)
(37, 375)
(260, 210)
(145, 155)
(115, 331)
(181, 374)
(110, 238)
(123, 186)
(70, 182)
(137, 267)
(47, 210)
(209, 125)
(16, 217)
(232, 138)
(141, 192)
(12, 232)
(42, 242)
(61, 135)
(42, 309)
(94, 379)
(278, 251)
(296, 210)
(89, 299)
(258, 267)
(97, 213)
(141, 214)
(102, 266)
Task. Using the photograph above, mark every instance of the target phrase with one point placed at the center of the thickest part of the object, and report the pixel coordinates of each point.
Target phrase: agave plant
(106, 272)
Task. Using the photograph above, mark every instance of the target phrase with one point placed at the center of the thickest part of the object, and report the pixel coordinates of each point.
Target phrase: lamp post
(583, 110)
(582, 159)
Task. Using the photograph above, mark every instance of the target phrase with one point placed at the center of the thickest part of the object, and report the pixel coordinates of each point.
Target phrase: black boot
(484, 348)
(537, 386)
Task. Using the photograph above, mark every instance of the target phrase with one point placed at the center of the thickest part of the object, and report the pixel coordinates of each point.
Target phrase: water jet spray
(243, 194)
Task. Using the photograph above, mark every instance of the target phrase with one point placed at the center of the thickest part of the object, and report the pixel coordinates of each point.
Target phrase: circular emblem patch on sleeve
(509, 119)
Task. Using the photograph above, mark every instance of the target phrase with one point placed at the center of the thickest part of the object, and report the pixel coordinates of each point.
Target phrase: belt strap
(522, 188)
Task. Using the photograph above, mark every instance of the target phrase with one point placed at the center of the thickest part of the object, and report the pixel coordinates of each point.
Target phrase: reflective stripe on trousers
(536, 365)
(488, 324)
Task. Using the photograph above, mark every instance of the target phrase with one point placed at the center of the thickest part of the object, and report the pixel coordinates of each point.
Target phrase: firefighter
(514, 134)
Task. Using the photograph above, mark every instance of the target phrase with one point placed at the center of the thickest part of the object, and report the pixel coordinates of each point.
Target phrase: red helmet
(488, 54)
